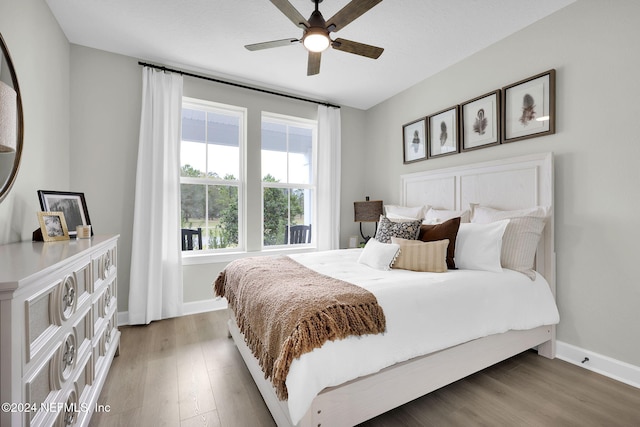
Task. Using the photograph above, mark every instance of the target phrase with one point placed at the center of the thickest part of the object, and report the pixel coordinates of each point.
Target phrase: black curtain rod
(211, 79)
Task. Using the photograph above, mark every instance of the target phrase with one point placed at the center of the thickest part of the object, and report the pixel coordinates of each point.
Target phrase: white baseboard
(188, 308)
(203, 306)
(123, 318)
(604, 365)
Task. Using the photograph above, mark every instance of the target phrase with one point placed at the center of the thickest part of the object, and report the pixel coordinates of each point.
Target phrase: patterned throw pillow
(404, 229)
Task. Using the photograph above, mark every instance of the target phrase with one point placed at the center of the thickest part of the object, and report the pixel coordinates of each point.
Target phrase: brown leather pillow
(446, 230)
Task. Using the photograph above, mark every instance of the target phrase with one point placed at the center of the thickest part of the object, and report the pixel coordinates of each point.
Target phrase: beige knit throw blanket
(285, 309)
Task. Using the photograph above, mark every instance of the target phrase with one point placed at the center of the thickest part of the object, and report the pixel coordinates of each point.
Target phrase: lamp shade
(367, 211)
(8, 118)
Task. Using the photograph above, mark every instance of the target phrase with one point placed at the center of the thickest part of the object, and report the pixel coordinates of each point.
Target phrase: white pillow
(379, 255)
(484, 214)
(478, 246)
(521, 237)
(437, 216)
(405, 212)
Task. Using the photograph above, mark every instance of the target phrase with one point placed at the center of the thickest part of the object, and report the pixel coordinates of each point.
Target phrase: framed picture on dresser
(73, 205)
(53, 226)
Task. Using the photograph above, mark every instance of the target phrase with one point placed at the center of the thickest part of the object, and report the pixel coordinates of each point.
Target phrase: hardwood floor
(186, 372)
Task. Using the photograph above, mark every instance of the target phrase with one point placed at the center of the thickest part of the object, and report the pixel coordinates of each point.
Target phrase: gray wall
(40, 54)
(593, 46)
(106, 93)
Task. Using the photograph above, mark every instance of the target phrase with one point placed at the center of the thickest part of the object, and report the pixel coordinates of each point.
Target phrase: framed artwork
(414, 141)
(53, 226)
(443, 133)
(480, 122)
(528, 107)
(73, 205)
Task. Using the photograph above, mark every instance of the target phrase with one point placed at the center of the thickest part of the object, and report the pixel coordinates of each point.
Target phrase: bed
(336, 395)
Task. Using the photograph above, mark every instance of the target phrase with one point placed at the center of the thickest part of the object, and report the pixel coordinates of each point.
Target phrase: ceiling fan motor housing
(316, 37)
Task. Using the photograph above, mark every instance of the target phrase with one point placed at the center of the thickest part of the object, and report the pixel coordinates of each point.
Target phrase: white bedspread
(425, 312)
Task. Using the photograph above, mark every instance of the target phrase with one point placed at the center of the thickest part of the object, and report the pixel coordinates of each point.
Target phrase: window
(211, 176)
(288, 177)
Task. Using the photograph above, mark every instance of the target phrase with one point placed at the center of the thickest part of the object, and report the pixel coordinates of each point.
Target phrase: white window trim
(289, 120)
(212, 255)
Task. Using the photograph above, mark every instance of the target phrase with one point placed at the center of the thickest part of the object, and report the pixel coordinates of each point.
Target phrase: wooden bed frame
(514, 183)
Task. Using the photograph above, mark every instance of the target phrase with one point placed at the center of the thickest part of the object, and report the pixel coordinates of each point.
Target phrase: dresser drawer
(106, 340)
(51, 309)
(41, 388)
(104, 266)
(104, 303)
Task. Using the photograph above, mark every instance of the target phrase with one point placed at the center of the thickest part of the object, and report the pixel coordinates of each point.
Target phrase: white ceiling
(420, 38)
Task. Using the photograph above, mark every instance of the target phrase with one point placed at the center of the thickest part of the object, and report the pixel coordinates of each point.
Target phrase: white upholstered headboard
(507, 184)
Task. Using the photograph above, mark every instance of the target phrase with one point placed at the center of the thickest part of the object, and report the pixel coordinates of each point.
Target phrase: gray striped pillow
(417, 255)
(521, 237)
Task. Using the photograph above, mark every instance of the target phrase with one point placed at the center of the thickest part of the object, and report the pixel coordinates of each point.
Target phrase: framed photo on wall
(414, 141)
(443, 132)
(529, 107)
(53, 226)
(480, 119)
(73, 205)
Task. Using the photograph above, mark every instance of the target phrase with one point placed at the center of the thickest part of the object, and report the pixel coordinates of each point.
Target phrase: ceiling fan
(316, 29)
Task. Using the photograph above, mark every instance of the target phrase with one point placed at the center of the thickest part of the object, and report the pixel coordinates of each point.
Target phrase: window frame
(239, 183)
(288, 120)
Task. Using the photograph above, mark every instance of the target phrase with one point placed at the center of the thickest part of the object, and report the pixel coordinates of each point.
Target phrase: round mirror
(11, 125)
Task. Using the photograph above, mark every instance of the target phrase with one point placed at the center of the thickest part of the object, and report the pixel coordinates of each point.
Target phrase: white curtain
(329, 146)
(155, 289)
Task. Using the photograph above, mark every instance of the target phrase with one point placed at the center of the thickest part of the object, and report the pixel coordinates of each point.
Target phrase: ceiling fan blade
(291, 13)
(349, 13)
(269, 45)
(313, 66)
(357, 48)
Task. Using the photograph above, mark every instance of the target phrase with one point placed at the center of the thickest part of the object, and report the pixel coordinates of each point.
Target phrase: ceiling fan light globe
(316, 42)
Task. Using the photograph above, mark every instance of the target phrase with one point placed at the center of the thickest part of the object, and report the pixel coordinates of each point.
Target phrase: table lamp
(367, 211)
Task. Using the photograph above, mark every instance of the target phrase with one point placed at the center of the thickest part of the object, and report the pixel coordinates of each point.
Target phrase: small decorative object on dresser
(59, 329)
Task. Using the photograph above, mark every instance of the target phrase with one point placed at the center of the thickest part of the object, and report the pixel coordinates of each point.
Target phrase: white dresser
(58, 329)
